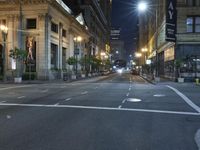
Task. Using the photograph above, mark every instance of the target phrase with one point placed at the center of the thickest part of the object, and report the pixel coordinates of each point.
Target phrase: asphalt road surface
(115, 112)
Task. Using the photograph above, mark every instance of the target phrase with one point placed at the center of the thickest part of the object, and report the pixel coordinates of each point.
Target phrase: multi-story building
(117, 45)
(97, 16)
(155, 30)
(46, 29)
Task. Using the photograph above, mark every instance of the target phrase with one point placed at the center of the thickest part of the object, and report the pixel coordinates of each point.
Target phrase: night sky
(124, 17)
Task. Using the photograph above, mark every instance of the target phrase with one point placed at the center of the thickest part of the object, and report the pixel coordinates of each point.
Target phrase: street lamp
(144, 50)
(138, 55)
(77, 40)
(142, 6)
(4, 31)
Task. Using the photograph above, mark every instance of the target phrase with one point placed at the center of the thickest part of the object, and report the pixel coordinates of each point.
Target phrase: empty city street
(114, 112)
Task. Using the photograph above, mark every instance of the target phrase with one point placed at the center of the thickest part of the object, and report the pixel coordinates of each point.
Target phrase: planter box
(73, 77)
(180, 80)
(157, 79)
(18, 80)
(82, 75)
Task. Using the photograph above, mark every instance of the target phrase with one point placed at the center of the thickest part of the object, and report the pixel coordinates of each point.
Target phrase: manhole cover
(134, 100)
(159, 95)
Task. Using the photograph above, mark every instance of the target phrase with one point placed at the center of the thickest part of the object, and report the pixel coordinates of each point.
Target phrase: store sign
(171, 17)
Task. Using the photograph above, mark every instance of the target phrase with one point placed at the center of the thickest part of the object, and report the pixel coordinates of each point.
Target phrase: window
(64, 33)
(31, 23)
(192, 2)
(197, 24)
(54, 50)
(190, 24)
(193, 24)
(54, 27)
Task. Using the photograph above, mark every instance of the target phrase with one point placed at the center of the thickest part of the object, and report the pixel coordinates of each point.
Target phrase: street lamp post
(4, 31)
(77, 40)
(143, 6)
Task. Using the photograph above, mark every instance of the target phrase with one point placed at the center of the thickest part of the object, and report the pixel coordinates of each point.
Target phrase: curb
(150, 81)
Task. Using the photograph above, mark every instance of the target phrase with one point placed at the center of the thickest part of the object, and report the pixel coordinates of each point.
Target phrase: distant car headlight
(120, 71)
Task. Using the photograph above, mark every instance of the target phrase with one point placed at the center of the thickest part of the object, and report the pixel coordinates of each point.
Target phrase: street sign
(171, 18)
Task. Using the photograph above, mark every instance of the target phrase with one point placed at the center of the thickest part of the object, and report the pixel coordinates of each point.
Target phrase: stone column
(44, 47)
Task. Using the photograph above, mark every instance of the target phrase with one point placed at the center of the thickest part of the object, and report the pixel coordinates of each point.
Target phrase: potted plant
(178, 64)
(72, 61)
(19, 56)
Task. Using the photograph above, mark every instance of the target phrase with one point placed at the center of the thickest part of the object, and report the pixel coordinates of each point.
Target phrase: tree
(19, 55)
(71, 61)
(178, 64)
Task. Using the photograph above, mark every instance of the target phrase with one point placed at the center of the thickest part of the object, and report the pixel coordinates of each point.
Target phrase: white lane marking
(68, 99)
(159, 95)
(120, 106)
(62, 87)
(102, 108)
(197, 138)
(15, 87)
(185, 98)
(56, 104)
(44, 91)
(2, 101)
(129, 89)
(127, 94)
(20, 97)
(85, 92)
(123, 101)
(8, 116)
(134, 100)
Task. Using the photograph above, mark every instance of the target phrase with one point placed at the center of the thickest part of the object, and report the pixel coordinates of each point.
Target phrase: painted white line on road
(124, 101)
(129, 89)
(159, 95)
(56, 104)
(197, 138)
(44, 91)
(3, 102)
(120, 106)
(15, 87)
(85, 92)
(127, 94)
(8, 116)
(103, 108)
(68, 99)
(20, 97)
(185, 98)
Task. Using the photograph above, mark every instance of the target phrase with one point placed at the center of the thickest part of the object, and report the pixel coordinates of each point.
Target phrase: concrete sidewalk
(86, 79)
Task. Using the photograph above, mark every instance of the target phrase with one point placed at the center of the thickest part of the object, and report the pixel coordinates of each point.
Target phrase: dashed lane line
(20, 97)
(185, 98)
(127, 94)
(103, 108)
(85, 92)
(68, 99)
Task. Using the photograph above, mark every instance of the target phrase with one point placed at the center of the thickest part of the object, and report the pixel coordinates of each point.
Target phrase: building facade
(97, 16)
(163, 52)
(46, 30)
